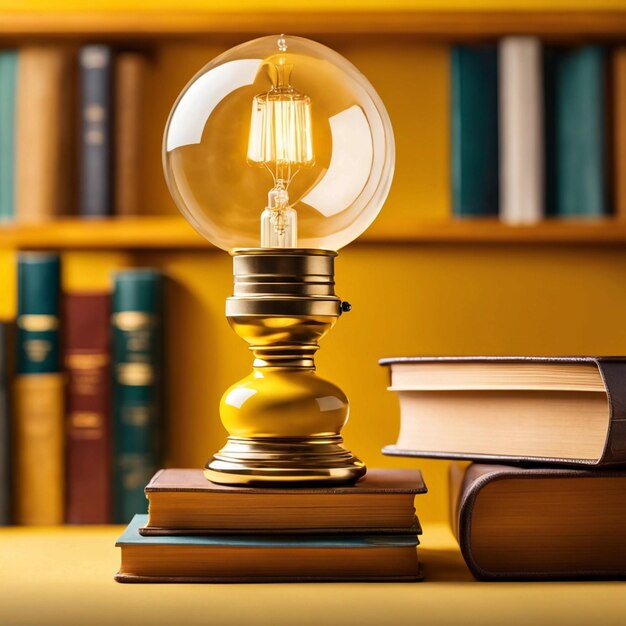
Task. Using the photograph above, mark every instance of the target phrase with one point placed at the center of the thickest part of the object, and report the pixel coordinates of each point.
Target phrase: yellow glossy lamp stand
(283, 420)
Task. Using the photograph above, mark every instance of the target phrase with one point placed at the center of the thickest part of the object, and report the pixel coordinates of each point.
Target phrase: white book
(521, 130)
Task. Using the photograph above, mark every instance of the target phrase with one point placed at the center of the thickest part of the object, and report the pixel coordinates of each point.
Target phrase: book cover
(96, 196)
(474, 76)
(619, 119)
(130, 69)
(87, 364)
(38, 394)
(576, 131)
(6, 372)
(8, 87)
(137, 402)
(42, 139)
(521, 130)
(522, 523)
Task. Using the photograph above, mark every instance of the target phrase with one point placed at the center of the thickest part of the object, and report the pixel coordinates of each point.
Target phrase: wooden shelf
(446, 19)
(175, 233)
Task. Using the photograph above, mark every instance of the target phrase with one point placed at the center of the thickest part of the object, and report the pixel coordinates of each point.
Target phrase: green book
(474, 75)
(137, 399)
(262, 558)
(576, 131)
(38, 286)
(8, 87)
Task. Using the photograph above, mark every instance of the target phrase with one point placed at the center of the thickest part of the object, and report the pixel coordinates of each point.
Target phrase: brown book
(130, 68)
(517, 523)
(619, 116)
(262, 559)
(184, 500)
(43, 140)
(87, 362)
(562, 410)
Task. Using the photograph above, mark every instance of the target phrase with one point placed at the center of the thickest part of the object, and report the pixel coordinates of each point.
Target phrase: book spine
(87, 363)
(521, 130)
(578, 120)
(8, 85)
(96, 124)
(130, 68)
(619, 115)
(137, 406)
(40, 140)
(39, 392)
(474, 75)
(6, 478)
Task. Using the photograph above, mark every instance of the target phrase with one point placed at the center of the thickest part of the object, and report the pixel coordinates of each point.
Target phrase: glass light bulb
(279, 142)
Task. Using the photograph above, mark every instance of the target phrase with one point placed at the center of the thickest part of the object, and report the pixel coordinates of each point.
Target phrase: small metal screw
(346, 307)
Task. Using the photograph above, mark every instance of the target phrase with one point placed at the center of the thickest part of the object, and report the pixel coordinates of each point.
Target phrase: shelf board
(174, 233)
(446, 19)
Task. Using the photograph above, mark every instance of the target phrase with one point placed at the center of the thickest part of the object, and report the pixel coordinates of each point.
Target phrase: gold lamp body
(284, 421)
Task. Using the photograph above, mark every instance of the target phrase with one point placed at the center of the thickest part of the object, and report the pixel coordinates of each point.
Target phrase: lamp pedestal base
(259, 460)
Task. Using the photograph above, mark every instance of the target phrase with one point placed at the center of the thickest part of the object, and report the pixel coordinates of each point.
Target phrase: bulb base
(284, 421)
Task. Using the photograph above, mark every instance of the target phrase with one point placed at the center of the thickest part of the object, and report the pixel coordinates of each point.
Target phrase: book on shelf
(137, 386)
(521, 130)
(567, 410)
(576, 123)
(96, 70)
(522, 523)
(129, 111)
(619, 119)
(184, 501)
(8, 86)
(474, 93)
(43, 139)
(87, 363)
(7, 351)
(256, 558)
(39, 391)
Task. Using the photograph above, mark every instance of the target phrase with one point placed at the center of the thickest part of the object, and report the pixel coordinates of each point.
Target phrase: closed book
(518, 523)
(130, 70)
(8, 96)
(521, 130)
(474, 76)
(42, 144)
(184, 500)
(87, 363)
(619, 119)
(38, 393)
(259, 559)
(557, 410)
(96, 196)
(6, 371)
(576, 130)
(137, 400)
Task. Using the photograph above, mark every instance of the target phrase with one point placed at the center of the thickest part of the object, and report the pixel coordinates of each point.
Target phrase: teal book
(8, 92)
(474, 93)
(38, 303)
(576, 131)
(262, 558)
(137, 395)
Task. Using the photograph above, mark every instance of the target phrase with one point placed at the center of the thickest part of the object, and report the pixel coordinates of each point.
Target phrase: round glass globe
(331, 149)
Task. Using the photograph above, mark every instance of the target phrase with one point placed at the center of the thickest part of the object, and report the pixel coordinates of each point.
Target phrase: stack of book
(198, 531)
(546, 495)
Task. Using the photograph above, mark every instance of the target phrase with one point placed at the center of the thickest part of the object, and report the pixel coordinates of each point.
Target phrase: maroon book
(87, 362)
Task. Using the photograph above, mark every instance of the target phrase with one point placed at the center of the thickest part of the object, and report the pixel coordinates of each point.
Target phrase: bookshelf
(438, 286)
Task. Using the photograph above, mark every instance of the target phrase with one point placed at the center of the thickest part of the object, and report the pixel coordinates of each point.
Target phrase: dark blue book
(474, 75)
(96, 197)
(137, 328)
(262, 558)
(576, 131)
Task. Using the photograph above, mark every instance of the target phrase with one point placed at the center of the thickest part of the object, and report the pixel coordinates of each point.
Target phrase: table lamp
(281, 152)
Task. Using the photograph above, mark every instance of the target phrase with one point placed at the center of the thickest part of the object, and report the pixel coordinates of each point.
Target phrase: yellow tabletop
(64, 576)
